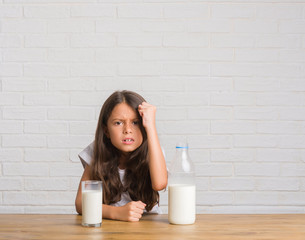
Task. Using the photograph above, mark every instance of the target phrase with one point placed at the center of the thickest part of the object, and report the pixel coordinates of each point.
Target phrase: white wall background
(229, 75)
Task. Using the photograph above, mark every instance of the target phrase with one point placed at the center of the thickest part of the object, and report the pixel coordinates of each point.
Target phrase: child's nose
(128, 128)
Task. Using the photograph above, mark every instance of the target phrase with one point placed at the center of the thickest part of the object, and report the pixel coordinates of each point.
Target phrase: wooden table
(210, 227)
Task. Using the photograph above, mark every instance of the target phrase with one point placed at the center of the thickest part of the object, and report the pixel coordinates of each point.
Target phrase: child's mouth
(128, 140)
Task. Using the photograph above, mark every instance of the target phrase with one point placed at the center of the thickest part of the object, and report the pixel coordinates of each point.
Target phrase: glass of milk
(181, 187)
(92, 200)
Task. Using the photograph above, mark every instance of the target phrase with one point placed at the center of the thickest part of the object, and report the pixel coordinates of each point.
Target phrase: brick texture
(228, 75)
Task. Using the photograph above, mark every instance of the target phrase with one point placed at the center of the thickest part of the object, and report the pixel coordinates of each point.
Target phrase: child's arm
(132, 211)
(157, 165)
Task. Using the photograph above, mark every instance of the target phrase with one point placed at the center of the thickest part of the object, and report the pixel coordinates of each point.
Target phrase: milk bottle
(181, 188)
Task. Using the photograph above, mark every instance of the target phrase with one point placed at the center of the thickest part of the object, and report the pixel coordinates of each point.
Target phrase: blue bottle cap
(184, 147)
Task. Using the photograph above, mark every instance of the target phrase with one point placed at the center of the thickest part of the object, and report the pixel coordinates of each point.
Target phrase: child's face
(123, 128)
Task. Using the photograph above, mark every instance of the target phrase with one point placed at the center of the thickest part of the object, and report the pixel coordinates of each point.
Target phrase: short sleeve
(86, 155)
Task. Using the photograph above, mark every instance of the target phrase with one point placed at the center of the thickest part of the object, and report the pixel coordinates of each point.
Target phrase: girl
(126, 155)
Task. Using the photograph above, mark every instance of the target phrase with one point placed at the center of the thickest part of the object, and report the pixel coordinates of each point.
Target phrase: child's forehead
(122, 111)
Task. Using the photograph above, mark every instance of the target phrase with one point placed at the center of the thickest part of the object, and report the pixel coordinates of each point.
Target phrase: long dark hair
(106, 157)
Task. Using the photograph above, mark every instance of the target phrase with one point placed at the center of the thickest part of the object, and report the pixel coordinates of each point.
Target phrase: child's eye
(117, 123)
(135, 122)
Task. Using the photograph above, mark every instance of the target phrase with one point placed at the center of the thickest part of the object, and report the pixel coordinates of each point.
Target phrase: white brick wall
(229, 75)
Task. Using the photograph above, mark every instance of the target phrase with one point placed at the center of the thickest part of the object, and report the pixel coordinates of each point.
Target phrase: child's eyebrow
(117, 119)
(123, 119)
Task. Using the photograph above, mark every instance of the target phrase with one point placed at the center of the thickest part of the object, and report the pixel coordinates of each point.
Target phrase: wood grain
(212, 227)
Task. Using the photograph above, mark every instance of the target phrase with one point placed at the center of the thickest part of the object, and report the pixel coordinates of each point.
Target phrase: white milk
(181, 204)
(92, 207)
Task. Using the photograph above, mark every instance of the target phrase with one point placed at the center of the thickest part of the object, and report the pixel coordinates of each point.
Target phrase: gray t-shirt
(86, 157)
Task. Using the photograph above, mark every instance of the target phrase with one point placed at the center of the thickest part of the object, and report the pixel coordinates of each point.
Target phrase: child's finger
(144, 104)
(140, 112)
(141, 204)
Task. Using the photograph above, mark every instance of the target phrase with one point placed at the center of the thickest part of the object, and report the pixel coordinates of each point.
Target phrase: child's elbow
(159, 186)
(78, 207)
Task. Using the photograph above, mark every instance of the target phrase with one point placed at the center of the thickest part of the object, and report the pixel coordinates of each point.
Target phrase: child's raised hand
(132, 211)
(148, 114)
